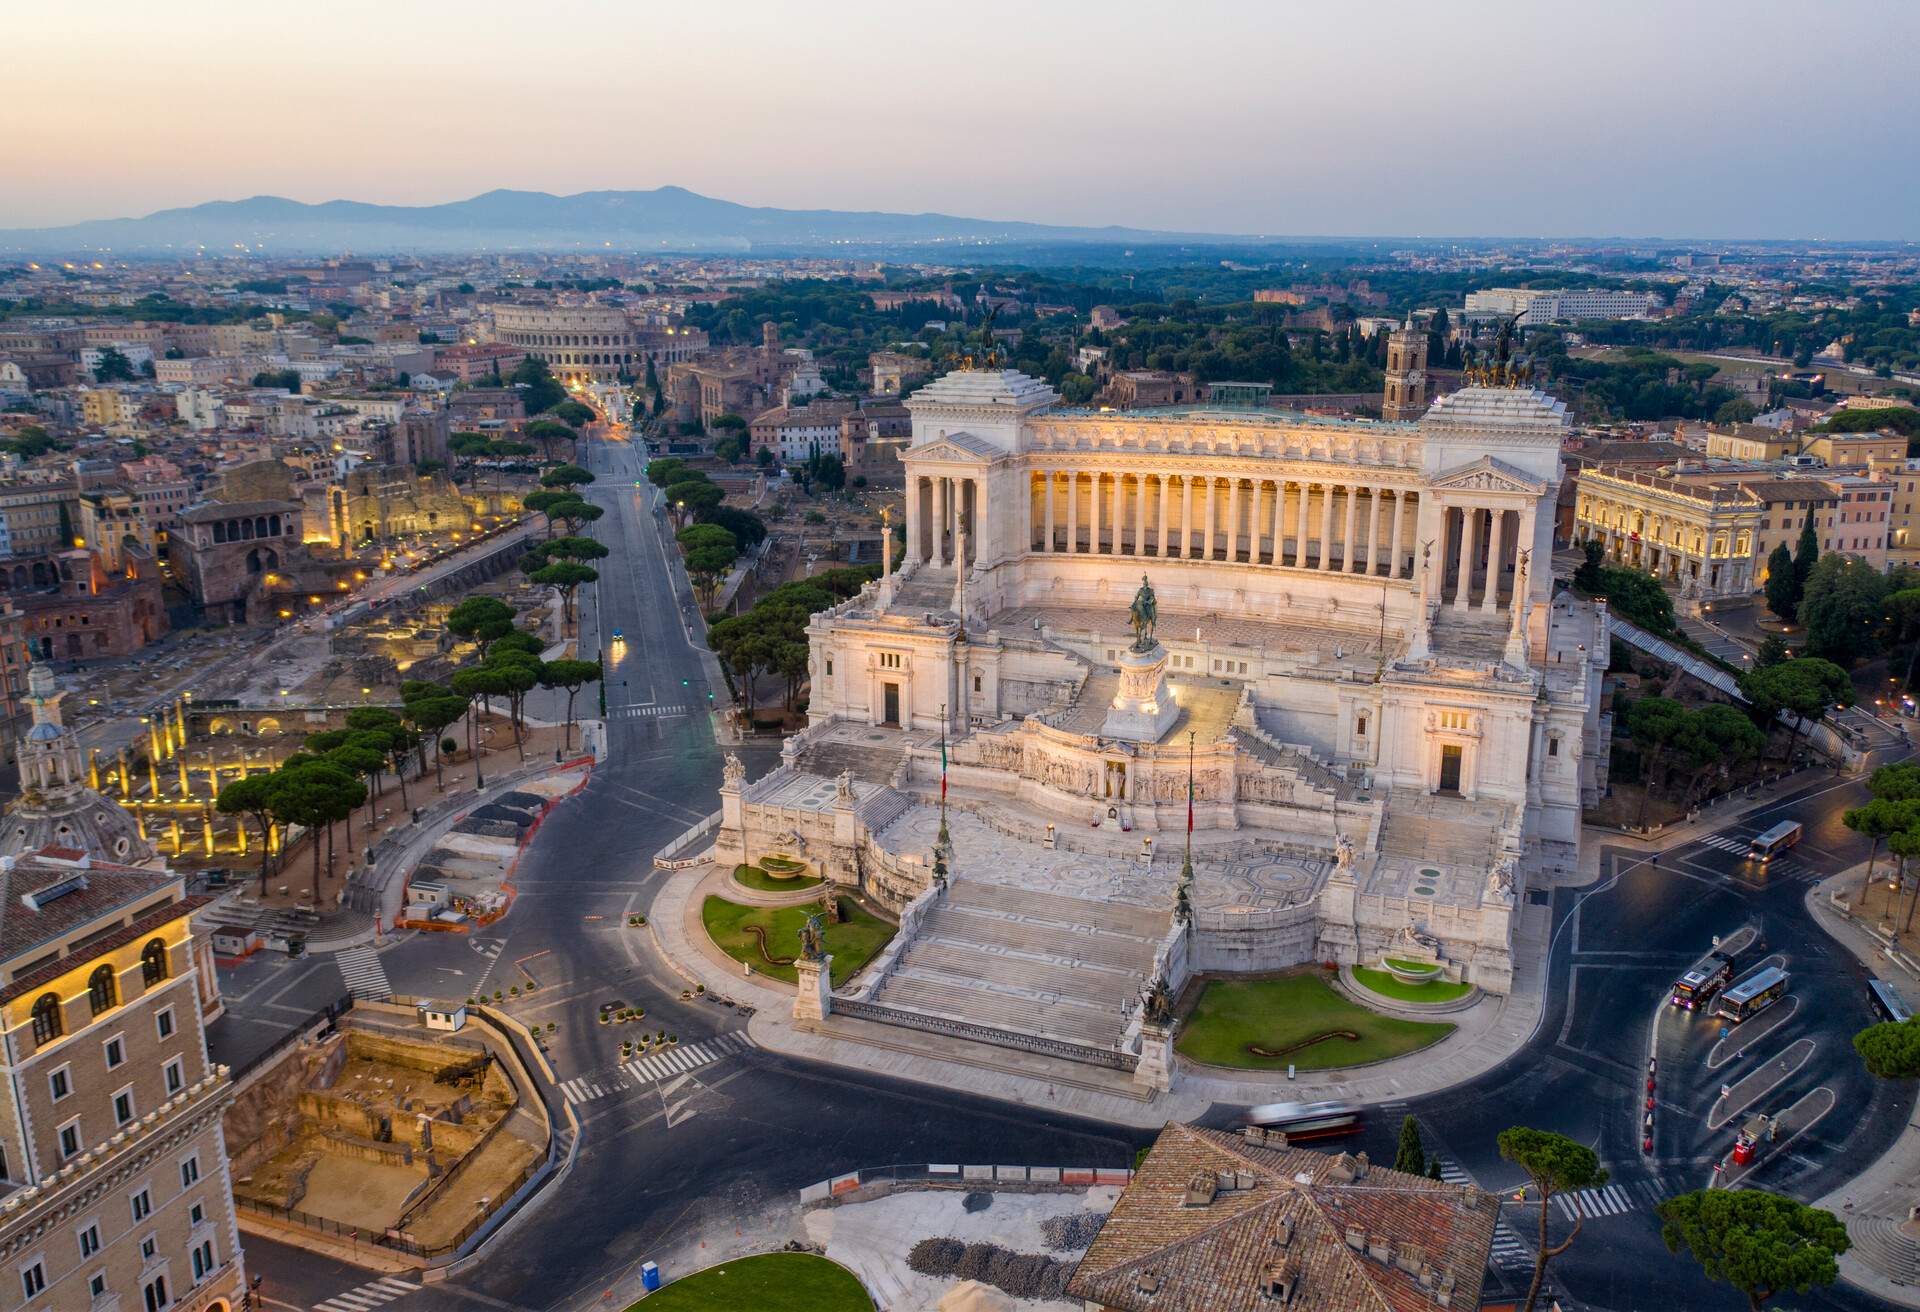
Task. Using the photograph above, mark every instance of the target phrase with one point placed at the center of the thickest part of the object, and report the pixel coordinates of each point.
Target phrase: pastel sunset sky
(1632, 117)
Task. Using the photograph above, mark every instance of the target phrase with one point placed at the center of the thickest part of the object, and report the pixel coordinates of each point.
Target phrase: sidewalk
(1488, 1034)
(1874, 1203)
(353, 929)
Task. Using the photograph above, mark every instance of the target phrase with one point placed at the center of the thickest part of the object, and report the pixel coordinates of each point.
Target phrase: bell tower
(1406, 394)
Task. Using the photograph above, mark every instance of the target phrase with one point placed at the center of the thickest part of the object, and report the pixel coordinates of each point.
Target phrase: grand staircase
(1883, 1245)
(1029, 963)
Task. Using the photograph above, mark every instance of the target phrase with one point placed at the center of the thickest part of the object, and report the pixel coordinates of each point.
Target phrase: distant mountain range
(664, 219)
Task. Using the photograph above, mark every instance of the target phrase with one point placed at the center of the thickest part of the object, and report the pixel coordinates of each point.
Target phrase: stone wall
(264, 1118)
(1253, 942)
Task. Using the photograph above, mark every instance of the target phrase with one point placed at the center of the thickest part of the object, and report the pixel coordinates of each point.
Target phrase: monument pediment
(1488, 474)
(957, 449)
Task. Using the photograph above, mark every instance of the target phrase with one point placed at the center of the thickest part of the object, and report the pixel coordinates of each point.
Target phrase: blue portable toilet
(650, 1276)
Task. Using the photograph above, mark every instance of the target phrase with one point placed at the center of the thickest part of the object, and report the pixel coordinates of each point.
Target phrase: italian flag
(943, 766)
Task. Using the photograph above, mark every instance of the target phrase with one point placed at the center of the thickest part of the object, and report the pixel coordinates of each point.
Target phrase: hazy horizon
(1710, 121)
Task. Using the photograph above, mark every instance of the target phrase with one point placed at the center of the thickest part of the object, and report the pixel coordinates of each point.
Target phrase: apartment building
(1540, 305)
(115, 1165)
(114, 1190)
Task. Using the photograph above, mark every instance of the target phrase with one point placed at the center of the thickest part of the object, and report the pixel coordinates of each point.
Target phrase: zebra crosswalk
(1508, 1250)
(364, 975)
(370, 1295)
(643, 1071)
(1789, 866)
(638, 712)
(1607, 1200)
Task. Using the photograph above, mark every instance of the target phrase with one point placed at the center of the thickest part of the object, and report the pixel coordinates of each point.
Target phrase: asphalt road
(667, 1163)
(1619, 945)
(663, 1164)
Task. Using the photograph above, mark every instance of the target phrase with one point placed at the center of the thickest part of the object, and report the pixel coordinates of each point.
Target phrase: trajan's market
(1204, 690)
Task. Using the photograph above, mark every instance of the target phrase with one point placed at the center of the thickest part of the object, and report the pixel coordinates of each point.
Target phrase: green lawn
(771, 1282)
(755, 878)
(851, 945)
(1276, 1014)
(1388, 985)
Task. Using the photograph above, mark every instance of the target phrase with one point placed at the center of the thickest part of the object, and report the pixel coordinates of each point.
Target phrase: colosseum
(594, 343)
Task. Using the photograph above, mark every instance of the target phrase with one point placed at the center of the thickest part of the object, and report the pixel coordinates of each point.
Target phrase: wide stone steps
(1040, 938)
(1076, 981)
(959, 1000)
(1070, 912)
(1878, 1242)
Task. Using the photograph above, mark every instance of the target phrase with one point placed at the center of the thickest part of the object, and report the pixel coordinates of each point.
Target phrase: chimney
(1201, 1190)
(1147, 1282)
(1356, 1238)
(1283, 1234)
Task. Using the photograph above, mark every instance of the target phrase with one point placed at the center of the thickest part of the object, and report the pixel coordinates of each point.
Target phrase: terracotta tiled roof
(1423, 1244)
(25, 930)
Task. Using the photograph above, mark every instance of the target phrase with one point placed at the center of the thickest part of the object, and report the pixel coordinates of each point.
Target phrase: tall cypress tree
(1411, 1158)
(1806, 551)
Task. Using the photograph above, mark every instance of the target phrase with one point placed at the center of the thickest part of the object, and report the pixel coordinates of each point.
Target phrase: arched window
(153, 962)
(46, 1019)
(100, 990)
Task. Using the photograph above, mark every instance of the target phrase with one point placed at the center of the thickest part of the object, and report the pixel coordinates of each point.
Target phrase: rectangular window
(1553, 747)
(33, 1279)
(203, 1262)
(163, 1022)
(60, 1083)
(97, 1284)
(176, 1078)
(190, 1172)
(142, 1205)
(116, 1050)
(90, 1239)
(70, 1138)
(196, 1214)
(123, 1106)
(148, 1247)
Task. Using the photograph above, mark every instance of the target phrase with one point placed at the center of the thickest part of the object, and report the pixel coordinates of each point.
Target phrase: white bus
(1774, 841)
(1751, 994)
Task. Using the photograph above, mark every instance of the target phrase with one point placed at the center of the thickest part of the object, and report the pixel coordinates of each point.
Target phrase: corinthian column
(1160, 531)
(1326, 526)
(1347, 552)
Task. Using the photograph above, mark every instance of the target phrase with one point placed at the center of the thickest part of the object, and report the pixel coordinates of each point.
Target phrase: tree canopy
(1760, 1243)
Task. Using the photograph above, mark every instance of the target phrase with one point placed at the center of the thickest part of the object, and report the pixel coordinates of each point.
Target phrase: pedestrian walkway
(639, 712)
(1716, 640)
(1789, 867)
(1608, 1200)
(365, 977)
(643, 1071)
(1884, 1260)
(675, 1061)
(370, 1295)
(1485, 1035)
(1510, 1253)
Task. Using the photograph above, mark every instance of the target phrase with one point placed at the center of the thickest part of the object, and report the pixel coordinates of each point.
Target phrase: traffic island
(770, 1282)
(1294, 1020)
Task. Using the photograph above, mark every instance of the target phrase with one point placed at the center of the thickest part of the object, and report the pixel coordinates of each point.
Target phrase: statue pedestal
(1143, 709)
(814, 1000)
(1155, 1070)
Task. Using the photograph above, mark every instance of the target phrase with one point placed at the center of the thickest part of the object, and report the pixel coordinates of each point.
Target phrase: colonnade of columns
(1689, 565)
(1337, 527)
(943, 519)
(1479, 557)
